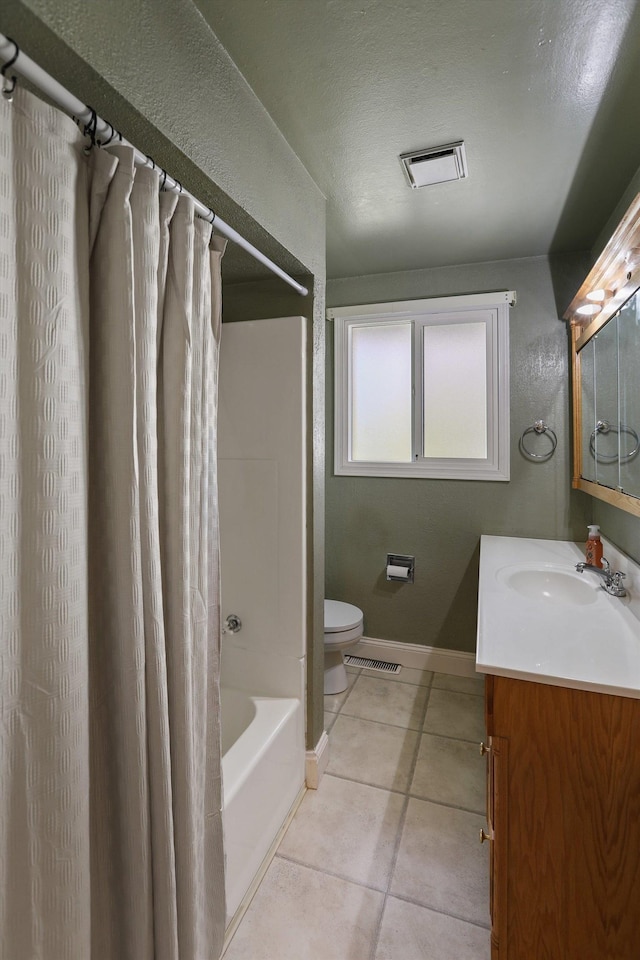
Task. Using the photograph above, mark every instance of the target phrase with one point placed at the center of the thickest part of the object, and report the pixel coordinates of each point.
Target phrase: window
(422, 388)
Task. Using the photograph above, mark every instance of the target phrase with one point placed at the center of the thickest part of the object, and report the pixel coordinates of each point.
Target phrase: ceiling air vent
(435, 165)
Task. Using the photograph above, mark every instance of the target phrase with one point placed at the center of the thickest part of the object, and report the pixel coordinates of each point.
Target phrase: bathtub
(262, 775)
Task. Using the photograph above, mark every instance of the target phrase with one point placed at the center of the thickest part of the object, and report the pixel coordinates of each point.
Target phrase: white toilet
(342, 628)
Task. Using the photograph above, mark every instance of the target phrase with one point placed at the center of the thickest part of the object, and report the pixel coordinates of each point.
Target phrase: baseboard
(416, 656)
(316, 761)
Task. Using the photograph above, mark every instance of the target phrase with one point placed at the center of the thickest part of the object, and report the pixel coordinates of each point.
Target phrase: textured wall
(440, 521)
(162, 58)
(156, 70)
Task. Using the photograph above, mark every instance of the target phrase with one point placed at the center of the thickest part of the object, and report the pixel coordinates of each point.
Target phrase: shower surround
(261, 475)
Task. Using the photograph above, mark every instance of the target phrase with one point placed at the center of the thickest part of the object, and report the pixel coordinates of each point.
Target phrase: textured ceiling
(545, 94)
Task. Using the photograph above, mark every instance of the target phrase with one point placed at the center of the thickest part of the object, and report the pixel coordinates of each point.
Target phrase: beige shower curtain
(110, 792)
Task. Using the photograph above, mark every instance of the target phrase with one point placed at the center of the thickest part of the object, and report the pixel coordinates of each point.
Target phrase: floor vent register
(370, 664)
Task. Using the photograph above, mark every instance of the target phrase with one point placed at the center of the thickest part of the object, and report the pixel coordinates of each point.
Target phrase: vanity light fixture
(589, 309)
(600, 296)
(632, 258)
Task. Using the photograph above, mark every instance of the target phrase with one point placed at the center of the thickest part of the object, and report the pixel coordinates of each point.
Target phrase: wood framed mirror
(605, 336)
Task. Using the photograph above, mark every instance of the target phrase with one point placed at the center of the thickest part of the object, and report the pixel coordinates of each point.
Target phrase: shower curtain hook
(164, 180)
(105, 143)
(7, 91)
(89, 130)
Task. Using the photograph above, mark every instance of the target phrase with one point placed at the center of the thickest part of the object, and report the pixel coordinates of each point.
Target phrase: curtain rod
(102, 132)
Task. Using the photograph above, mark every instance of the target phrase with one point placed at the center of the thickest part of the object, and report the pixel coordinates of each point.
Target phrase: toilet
(342, 628)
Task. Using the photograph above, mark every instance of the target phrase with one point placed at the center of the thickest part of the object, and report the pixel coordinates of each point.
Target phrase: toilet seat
(343, 627)
(341, 621)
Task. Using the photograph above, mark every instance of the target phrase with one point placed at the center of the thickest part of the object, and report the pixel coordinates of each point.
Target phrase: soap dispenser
(593, 551)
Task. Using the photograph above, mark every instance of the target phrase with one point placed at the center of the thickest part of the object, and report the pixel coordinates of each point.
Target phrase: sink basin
(539, 619)
(551, 586)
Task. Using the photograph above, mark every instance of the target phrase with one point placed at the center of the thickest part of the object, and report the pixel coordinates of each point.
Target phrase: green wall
(620, 527)
(158, 63)
(156, 70)
(441, 521)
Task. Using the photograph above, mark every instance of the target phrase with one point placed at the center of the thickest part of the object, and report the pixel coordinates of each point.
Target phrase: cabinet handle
(484, 749)
(484, 836)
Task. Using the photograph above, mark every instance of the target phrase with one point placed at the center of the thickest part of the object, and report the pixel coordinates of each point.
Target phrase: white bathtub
(262, 774)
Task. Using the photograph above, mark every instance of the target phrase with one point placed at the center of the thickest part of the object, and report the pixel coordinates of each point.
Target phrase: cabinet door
(572, 777)
(497, 783)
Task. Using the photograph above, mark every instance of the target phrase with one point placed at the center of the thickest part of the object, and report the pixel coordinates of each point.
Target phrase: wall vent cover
(435, 164)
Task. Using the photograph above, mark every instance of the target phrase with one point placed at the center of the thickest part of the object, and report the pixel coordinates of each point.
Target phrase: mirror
(610, 402)
(603, 429)
(588, 393)
(604, 317)
(629, 394)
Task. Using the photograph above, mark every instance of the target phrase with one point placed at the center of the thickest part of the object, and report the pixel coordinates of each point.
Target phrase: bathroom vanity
(562, 665)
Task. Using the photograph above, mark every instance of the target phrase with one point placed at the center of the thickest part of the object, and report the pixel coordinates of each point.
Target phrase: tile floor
(383, 861)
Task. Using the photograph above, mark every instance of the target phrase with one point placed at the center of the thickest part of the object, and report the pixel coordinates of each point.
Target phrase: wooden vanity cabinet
(563, 812)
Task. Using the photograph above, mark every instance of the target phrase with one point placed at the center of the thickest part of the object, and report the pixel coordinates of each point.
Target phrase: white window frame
(490, 308)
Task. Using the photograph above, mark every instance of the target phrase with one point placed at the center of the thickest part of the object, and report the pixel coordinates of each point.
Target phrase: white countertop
(593, 644)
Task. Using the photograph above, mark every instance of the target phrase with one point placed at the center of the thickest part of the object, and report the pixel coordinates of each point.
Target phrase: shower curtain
(110, 792)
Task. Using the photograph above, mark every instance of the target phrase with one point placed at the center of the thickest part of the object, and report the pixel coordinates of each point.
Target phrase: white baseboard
(416, 656)
(316, 762)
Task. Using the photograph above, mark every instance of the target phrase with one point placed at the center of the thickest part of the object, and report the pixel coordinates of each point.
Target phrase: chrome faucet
(612, 578)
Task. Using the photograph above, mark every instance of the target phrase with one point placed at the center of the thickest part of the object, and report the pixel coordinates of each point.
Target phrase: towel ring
(604, 427)
(539, 427)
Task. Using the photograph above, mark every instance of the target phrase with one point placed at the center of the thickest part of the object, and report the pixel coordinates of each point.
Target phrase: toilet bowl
(342, 628)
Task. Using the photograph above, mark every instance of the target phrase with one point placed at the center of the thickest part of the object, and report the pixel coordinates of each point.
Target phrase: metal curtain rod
(102, 130)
